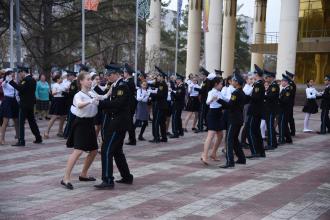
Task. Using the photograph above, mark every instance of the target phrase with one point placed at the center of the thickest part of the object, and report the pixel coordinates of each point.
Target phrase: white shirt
(142, 95)
(211, 94)
(192, 91)
(226, 92)
(248, 89)
(311, 93)
(8, 90)
(89, 111)
(58, 89)
(66, 84)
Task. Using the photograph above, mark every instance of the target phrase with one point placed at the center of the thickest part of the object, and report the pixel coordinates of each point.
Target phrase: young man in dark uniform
(254, 114)
(178, 98)
(325, 106)
(159, 108)
(128, 72)
(26, 88)
(271, 108)
(203, 91)
(285, 109)
(115, 126)
(235, 119)
(293, 88)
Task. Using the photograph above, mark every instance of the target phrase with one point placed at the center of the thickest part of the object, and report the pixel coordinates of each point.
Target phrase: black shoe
(252, 156)
(38, 141)
(174, 136)
(181, 134)
(262, 155)
(141, 139)
(288, 141)
(168, 133)
(197, 131)
(105, 185)
(154, 141)
(47, 118)
(67, 185)
(320, 132)
(86, 179)
(131, 143)
(125, 181)
(40, 119)
(269, 148)
(163, 140)
(226, 166)
(185, 130)
(240, 161)
(18, 144)
(293, 134)
(194, 129)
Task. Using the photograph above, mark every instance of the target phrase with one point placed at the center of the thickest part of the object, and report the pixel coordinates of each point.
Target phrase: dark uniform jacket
(26, 89)
(132, 94)
(325, 103)
(235, 106)
(271, 98)
(285, 99)
(256, 100)
(116, 108)
(203, 91)
(160, 98)
(178, 97)
(293, 88)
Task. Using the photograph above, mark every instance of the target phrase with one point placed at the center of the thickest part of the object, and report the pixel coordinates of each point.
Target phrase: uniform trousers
(131, 130)
(284, 132)
(254, 135)
(271, 135)
(177, 121)
(325, 121)
(27, 113)
(233, 144)
(291, 121)
(112, 148)
(158, 122)
(202, 115)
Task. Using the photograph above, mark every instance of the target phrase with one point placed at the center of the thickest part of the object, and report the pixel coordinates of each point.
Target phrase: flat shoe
(86, 179)
(67, 185)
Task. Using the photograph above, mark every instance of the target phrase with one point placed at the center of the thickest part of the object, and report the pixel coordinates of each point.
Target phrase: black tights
(143, 124)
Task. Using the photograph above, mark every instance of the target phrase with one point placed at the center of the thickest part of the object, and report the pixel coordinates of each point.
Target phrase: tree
(242, 48)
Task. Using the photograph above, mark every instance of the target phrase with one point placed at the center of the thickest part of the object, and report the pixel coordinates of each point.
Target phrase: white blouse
(192, 91)
(142, 95)
(311, 93)
(248, 89)
(8, 90)
(211, 94)
(58, 89)
(89, 111)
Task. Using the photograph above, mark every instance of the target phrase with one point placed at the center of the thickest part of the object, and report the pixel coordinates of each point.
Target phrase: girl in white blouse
(193, 104)
(82, 136)
(215, 121)
(310, 106)
(142, 113)
(58, 106)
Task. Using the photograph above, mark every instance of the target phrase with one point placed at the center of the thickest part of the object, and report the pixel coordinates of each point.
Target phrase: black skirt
(310, 106)
(9, 107)
(98, 119)
(82, 135)
(193, 104)
(215, 120)
(42, 105)
(58, 106)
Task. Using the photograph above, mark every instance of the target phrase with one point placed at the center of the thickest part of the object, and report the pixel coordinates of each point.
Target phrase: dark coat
(256, 100)
(26, 89)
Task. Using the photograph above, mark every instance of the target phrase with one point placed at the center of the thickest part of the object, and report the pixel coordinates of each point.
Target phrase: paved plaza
(170, 182)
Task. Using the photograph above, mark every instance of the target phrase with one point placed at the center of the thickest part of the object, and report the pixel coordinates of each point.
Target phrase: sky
(273, 11)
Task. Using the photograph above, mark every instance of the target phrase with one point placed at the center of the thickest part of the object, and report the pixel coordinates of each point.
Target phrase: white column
(153, 36)
(287, 46)
(228, 37)
(258, 28)
(194, 37)
(213, 36)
